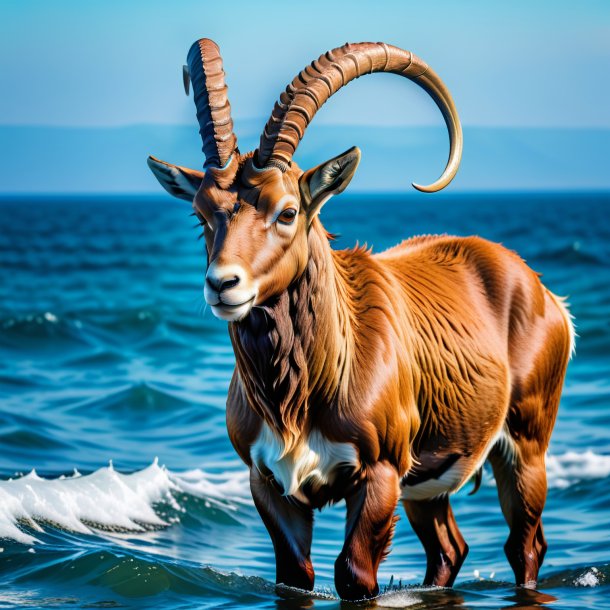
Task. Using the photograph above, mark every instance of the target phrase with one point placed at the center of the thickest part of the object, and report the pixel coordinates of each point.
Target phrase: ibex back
(366, 377)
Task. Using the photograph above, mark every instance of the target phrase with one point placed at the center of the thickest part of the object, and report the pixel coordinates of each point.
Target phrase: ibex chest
(313, 463)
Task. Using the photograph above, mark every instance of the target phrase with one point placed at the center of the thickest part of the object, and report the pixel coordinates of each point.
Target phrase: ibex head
(257, 209)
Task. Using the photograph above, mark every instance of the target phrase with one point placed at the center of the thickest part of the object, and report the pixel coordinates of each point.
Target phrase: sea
(119, 487)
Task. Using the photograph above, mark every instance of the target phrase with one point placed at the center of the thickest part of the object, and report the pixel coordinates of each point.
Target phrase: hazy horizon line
(360, 192)
(322, 122)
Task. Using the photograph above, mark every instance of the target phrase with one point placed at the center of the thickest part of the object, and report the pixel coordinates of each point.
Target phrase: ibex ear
(319, 184)
(180, 182)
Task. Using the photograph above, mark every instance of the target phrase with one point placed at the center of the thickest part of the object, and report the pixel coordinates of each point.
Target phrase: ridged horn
(204, 68)
(317, 82)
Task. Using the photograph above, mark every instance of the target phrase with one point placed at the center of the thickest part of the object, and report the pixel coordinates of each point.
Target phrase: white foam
(565, 469)
(590, 578)
(228, 489)
(108, 500)
(571, 467)
(397, 599)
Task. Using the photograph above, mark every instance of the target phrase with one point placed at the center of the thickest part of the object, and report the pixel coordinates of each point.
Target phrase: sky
(89, 88)
(110, 63)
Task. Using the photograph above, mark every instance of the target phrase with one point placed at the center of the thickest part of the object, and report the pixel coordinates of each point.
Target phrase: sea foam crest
(589, 578)
(112, 501)
(108, 500)
(227, 489)
(571, 467)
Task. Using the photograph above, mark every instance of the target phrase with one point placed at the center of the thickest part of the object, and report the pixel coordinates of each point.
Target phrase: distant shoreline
(38, 159)
(408, 194)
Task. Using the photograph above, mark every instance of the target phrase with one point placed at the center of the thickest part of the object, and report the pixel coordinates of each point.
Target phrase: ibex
(367, 377)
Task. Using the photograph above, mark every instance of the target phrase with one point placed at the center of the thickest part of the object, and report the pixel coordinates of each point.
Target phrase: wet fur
(427, 348)
(365, 377)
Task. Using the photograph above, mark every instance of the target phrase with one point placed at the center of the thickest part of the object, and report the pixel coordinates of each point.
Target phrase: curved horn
(213, 108)
(331, 71)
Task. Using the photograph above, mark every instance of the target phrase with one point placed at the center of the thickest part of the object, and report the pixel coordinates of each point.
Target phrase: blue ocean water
(109, 359)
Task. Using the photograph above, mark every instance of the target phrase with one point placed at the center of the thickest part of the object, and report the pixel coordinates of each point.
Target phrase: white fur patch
(455, 477)
(448, 482)
(314, 459)
(562, 303)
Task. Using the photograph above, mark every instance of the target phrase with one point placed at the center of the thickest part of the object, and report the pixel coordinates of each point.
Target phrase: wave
(42, 334)
(155, 497)
(568, 469)
(572, 253)
(572, 467)
(401, 596)
(226, 490)
(38, 330)
(136, 575)
(144, 396)
(107, 500)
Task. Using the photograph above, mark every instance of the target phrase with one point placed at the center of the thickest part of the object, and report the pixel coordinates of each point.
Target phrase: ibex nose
(220, 284)
(221, 278)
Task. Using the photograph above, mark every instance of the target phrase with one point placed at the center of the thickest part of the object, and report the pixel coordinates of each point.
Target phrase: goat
(368, 378)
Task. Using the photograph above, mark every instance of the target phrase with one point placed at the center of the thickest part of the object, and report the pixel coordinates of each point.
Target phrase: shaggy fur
(370, 377)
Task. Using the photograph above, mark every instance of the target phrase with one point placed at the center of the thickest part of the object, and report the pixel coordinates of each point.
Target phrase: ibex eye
(287, 216)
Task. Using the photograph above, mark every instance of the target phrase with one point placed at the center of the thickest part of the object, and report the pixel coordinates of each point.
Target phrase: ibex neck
(292, 353)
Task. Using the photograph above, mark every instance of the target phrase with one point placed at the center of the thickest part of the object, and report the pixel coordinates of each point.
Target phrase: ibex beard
(368, 378)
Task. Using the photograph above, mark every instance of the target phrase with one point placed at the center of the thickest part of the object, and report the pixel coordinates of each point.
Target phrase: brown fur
(429, 347)
(366, 373)
(417, 358)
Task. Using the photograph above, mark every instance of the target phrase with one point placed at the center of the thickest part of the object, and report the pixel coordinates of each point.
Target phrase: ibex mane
(369, 378)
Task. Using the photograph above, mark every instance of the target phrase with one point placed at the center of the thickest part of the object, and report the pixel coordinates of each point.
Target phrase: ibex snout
(229, 291)
(223, 283)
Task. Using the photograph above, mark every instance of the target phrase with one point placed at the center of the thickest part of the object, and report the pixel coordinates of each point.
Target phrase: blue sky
(110, 63)
(89, 88)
